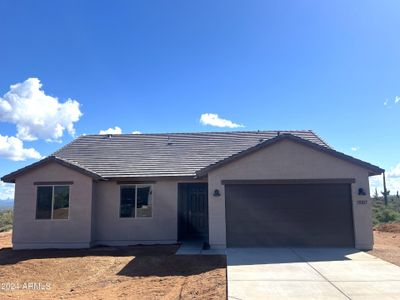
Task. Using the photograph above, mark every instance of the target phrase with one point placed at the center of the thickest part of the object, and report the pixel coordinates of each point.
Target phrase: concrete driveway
(283, 273)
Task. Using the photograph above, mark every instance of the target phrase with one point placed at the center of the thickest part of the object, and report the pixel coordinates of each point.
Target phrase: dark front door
(193, 211)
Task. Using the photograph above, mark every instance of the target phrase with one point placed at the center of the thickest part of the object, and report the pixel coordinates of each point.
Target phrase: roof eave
(373, 170)
(10, 178)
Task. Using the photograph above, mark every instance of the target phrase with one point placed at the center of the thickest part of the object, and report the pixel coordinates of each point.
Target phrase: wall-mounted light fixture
(361, 192)
(216, 193)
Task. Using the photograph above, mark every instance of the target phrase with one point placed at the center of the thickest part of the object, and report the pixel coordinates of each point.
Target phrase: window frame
(135, 217)
(52, 201)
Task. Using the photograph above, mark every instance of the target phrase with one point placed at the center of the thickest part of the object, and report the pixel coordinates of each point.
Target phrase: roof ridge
(321, 139)
(65, 146)
(200, 132)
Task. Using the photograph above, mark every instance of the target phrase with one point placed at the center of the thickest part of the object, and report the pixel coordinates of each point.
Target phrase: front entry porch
(193, 212)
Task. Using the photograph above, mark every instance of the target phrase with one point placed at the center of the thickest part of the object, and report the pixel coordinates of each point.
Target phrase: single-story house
(228, 189)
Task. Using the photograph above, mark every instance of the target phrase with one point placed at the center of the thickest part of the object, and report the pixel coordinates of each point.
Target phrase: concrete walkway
(196, 248)
(283, 273)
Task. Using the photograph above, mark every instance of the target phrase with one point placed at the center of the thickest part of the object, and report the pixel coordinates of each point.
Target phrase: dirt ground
(5, 239)
(142, 272)
(387, 243)
(137, 272)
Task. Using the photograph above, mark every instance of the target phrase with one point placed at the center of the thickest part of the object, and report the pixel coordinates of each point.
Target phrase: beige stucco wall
(93, 213)
(109, 229)
(74, 232)
(290, 160)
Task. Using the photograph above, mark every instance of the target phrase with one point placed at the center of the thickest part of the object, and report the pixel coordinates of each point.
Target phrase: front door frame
(183, 193)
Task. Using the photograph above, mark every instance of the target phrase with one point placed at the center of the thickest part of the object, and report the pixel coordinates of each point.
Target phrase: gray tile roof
(155, 155)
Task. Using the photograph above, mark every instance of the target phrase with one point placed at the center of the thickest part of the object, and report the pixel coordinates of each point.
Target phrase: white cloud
(392, 181)
(215, 120)
(355, 148)
(388, 102)
(392, 185)
(394, 172)
(37, 115)
(115, 130)
(6, 191)
(136, 132)
(13, 148)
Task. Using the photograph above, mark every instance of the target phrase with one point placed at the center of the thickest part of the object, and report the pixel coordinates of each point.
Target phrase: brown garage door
(289, 215)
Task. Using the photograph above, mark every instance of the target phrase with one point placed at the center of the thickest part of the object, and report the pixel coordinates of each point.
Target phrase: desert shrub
(386, 214)
(6, 220)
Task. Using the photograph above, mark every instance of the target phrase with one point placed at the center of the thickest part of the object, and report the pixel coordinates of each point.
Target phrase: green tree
(6, 219)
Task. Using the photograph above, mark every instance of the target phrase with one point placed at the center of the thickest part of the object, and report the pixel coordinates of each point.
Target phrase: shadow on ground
(174, 265)
(8, 256)
(146, 261)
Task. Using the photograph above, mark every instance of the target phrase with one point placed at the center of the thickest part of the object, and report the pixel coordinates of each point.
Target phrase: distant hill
(4, 204)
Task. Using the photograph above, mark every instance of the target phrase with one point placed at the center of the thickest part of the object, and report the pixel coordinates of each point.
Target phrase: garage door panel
(289, 215)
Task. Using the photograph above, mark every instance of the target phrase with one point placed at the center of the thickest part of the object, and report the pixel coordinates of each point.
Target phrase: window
(52, 202)
(127, 208)
(43, 203)
(136, 201)
(143, 201)
(61, 202)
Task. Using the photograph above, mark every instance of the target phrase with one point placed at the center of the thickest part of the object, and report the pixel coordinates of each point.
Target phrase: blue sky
(157, 66)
